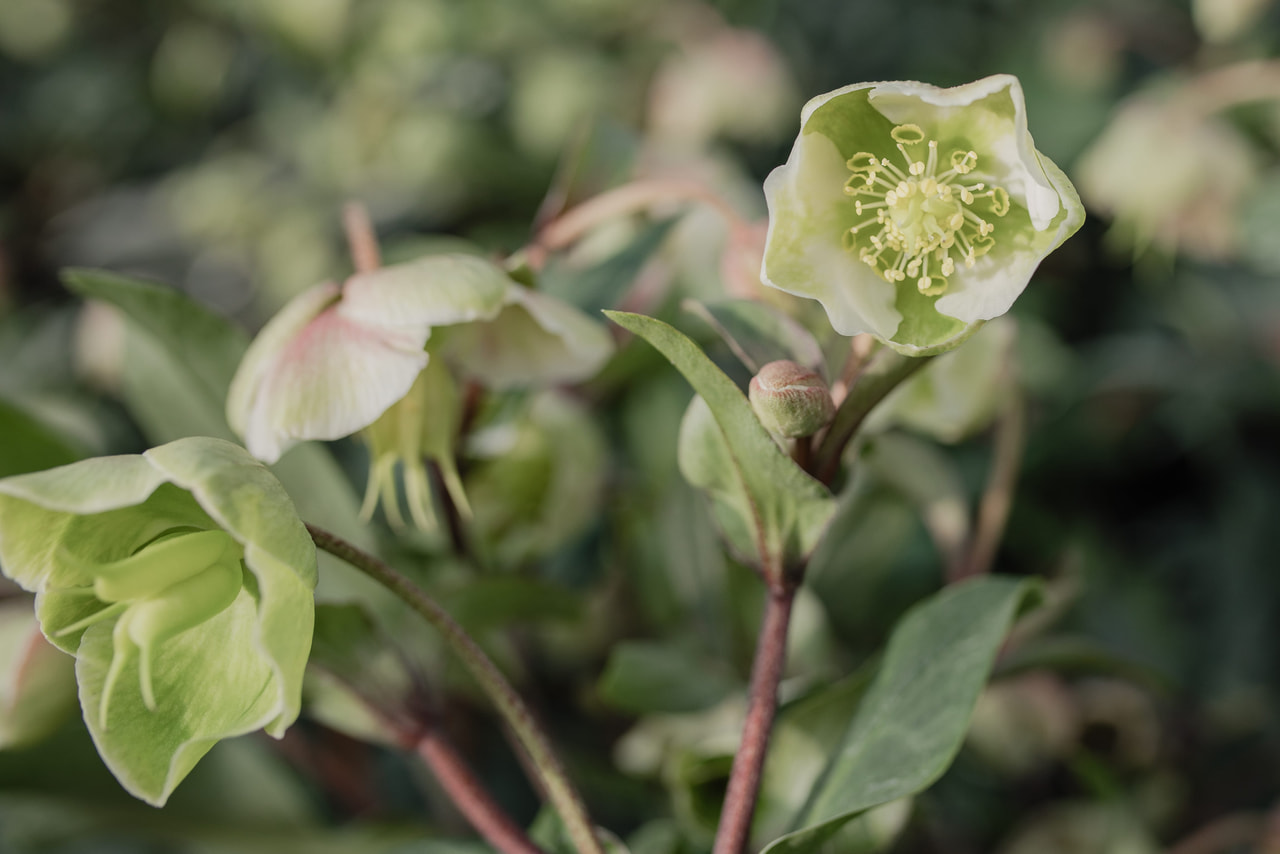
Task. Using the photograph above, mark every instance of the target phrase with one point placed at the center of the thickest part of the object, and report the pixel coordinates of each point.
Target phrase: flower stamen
(921, 216)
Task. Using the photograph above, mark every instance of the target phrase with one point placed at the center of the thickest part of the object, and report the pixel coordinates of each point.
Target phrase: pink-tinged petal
(536, 339)
(261, 357)
(334, 377)
(438, 290)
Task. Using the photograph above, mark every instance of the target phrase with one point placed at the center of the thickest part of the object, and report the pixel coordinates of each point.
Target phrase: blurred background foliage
(209, 144)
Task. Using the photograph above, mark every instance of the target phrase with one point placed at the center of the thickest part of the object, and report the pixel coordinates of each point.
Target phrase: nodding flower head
(381, 356)
(181, 580)
(915, 213)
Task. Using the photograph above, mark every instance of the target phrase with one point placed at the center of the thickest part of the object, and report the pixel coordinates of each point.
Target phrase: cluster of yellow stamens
(922, 221)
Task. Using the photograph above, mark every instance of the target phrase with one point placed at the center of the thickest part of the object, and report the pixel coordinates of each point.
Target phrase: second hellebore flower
(371, 356)
(915, 213)
(181, 580)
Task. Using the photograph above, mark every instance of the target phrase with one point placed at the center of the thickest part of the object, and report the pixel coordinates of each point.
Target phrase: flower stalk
(470, 797)
(885, 373)
(537, 746)
(748, 765)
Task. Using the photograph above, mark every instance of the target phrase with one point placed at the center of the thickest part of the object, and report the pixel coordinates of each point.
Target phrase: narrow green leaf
(207, 345)
(790, 509)
(28, 444)
(603, 285)
(645, 677)
(915, 714)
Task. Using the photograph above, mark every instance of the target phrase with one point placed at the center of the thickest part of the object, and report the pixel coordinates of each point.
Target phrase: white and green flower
(915, 213)
(370, 356)
(181, 580)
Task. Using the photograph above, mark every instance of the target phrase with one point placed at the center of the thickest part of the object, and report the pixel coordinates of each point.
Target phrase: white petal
(990, 288)
(265, 350)
(333, 378)
(804, 250)
(438, 290)
(537, 339)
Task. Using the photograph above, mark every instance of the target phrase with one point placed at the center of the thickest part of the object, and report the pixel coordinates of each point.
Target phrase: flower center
(921, 220)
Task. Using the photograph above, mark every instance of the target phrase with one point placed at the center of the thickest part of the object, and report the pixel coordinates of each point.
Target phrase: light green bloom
(915, 213)
(181, 580)
(339, 360)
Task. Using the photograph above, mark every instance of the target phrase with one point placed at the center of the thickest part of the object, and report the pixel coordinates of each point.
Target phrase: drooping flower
(915, 213)
(371, 356)
(1171, 175)
(181, 580)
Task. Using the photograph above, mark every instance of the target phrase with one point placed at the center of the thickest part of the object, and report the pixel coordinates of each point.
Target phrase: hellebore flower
(1147, 170)
(369, 356)
(181, 580)
(915, 213)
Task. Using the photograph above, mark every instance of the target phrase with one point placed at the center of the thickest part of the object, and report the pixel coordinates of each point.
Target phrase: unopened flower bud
(791, 400)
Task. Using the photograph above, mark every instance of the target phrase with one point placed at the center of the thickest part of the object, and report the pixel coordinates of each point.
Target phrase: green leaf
(603, 285)
(927, 477)
(28, 444)
(788, 509)
(759, 334)
(916, 712)
(706, 462)
(497, 601)
(549, 833)
(206, 345)
(645, 677)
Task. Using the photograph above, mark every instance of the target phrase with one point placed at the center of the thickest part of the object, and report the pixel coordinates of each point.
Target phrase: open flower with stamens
(380, 356)
(181, 580)
(915, 213)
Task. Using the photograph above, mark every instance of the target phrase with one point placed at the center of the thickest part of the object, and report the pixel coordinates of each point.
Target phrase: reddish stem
(361, 238)
(470, 797)
(748, 764)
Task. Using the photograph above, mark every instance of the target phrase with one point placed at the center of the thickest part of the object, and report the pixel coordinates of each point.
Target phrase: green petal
(36, 510)
(247, 501)
(210, 683)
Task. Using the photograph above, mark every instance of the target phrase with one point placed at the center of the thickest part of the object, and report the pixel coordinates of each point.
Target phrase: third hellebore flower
(915, 213)
(181, 580)
(370, 356)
